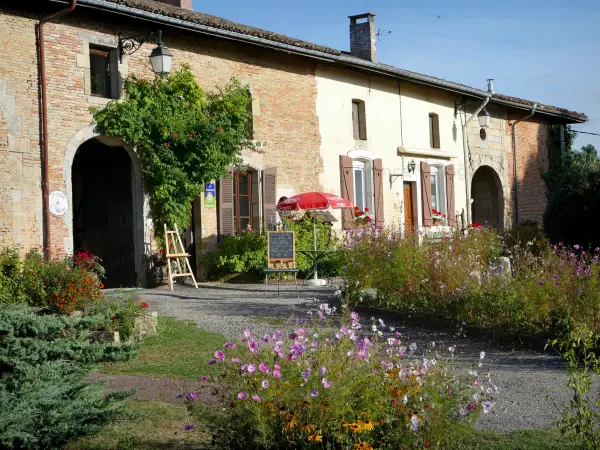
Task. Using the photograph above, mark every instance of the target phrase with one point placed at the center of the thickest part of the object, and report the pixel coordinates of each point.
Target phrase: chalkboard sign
(281, 250)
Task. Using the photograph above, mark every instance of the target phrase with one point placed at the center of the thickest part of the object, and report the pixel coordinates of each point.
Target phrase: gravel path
(532, 384)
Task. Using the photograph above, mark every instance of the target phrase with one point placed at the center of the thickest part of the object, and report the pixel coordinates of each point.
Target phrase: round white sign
(58, 203)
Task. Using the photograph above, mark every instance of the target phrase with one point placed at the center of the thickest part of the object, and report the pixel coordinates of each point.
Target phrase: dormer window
(359, 122)
(434, 130)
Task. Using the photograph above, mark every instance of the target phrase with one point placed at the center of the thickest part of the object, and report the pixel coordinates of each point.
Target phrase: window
(242, 200)
(363, 184)
(359, 123)
(434, 130)
(100, 72)
(438, 189)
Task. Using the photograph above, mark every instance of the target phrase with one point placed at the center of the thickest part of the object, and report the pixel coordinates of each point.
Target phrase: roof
(205, 23)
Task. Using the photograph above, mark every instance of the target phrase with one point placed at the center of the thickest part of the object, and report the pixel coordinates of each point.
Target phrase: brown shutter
(226, 205)
(426, 193)
(347, 190)
(378, 185)
(450, 194)
(269, 179)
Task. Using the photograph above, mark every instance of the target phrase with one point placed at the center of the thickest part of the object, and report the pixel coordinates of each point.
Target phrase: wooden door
(409, 223)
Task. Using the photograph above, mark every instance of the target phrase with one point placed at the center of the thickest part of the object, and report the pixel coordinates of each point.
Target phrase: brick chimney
(363, 36)
(186, 4)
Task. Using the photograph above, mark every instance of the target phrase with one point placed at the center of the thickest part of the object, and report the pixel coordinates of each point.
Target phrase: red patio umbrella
(313, 201)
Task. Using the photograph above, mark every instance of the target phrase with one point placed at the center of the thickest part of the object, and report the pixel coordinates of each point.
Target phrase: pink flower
(326, 383)
(252, 345)
(220, 355)
(251, 368)
(277, 374)
(256, 398)
(236, 360)
(203, 379)
(263, 367)
(247, 333)
(242, 396)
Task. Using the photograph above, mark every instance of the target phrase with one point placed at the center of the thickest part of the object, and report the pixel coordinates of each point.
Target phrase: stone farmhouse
(397, 142)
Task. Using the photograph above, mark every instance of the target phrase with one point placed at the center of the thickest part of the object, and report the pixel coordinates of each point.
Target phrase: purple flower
(266, 338)
(293, 336)
(212, 362)
(179, 396)
(314, 393)
(220, 355)
(555, 276)
(326, 383)
(541, 283)
(354, 316)
(263, 367)
(256, 398)
(251, 368)
(236, 360)
(189, 426)
(227, 345)
(322, 370)
(277, 374)
(576, 247)
(306, 374)
(193, 395)
(579, 291)
(203, 379)
(242, 396)
(253, 345)
(265, 384)
(301, 331)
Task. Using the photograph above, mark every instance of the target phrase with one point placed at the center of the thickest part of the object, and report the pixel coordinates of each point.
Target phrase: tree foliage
(573, 184)
(184, 137)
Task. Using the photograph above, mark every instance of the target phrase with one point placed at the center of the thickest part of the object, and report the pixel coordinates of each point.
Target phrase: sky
(545, 51)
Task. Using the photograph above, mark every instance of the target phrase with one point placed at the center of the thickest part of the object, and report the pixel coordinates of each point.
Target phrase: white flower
(463, 412)
(405, 400)
(392, 329)
(412, 347)
(451, 349)
(338, 292)
(476, 396)
(482, 355)
(374, 328)
(380, 333)
(414, 423)
(487, 406)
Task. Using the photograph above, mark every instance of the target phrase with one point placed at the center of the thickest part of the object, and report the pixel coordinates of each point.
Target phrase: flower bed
(350, 388)
(547, 290)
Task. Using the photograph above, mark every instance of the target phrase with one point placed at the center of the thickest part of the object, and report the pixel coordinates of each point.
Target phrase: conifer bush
(44, 360)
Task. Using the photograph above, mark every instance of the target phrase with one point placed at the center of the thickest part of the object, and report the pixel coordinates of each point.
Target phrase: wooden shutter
(269, 179)
(378, 186)
(226, 205)
(426, 193)
(450, 194)
(347, 190)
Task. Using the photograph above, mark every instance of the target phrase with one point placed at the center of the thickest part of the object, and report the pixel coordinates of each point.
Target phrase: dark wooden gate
(103, 210)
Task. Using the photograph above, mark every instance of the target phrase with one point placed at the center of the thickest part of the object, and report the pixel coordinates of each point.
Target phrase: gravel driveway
(532, 384)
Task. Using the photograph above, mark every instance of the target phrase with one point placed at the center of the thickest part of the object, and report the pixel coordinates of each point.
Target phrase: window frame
(96, 50)
(236, 200)
(367, 184)
(359, 120)
(434, 131)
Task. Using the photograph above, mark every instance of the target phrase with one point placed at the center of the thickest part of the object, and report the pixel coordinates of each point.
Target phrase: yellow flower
(363, 446)
(315, 438)
(307, 427)
(369, 425)
(354, 427)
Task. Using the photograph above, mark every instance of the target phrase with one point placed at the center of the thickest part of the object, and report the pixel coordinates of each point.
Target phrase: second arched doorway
(488, 200)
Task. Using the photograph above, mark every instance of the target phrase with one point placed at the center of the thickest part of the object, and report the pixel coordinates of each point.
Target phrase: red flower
(144, 305)
(366, 209)
(356, 208)
(368, 219)
(360, 213)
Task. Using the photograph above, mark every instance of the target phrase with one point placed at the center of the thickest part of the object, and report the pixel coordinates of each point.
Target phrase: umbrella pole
(315, 245)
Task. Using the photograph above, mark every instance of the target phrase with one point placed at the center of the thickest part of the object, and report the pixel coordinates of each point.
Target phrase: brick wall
(532, 161)
(283, 86)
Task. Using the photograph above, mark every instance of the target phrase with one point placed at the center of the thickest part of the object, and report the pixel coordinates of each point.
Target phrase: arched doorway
(103, 209)
(488, 200)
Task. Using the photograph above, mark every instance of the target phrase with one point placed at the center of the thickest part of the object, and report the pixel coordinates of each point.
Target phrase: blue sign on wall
(210, 195)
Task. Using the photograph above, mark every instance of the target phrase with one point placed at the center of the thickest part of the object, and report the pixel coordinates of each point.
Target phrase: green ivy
(184, 137)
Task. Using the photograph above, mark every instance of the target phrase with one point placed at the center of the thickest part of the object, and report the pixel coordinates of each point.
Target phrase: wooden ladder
(175, 252)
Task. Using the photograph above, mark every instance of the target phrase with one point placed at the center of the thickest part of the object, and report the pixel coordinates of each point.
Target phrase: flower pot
(156, 276)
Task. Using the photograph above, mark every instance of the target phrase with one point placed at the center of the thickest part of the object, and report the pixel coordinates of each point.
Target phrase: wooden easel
(173, 242)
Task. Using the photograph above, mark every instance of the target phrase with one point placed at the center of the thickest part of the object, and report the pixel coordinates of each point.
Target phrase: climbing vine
(184, 137)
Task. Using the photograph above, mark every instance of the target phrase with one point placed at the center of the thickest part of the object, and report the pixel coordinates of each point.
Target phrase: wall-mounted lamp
(160, 58)
(484, 118)
(411, 166)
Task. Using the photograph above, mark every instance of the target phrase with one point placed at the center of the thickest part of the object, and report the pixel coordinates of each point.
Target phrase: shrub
(244, 252)
(318, 388)
(59, 285)
(11, 286)
(44, 400)
(122, 311)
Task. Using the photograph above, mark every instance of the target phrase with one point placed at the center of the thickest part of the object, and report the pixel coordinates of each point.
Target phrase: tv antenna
(382, 33)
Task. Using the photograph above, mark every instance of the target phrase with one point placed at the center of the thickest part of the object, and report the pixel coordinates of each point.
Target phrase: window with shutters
(434, 130)
(359, 122)
(438, 189)
(363, 184)
(242, 201)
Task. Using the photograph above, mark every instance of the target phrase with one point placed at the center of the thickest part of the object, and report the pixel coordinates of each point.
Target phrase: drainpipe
(466, 154)
(516, 182)
(43, 89)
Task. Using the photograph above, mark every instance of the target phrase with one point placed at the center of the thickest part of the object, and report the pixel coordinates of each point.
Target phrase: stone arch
(142, 228)
(488, 197)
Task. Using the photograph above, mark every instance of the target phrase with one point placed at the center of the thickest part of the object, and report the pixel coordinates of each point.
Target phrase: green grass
(545, 439)
(180, 350)
(153, 425)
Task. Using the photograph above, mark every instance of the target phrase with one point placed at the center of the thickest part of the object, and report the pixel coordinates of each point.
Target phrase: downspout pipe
(516, 175)
(43, 89)
(466, 154)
